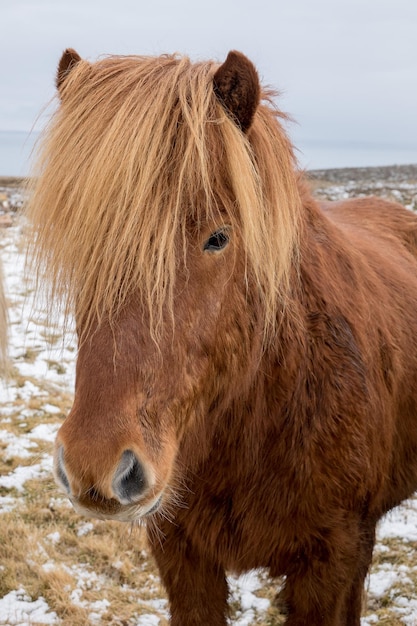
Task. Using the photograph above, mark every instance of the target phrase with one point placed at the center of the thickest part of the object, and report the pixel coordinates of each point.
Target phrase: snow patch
(18, 608)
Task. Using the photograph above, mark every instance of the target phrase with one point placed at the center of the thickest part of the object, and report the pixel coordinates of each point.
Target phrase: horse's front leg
(353, 601)
(325, 584)
(197, 587)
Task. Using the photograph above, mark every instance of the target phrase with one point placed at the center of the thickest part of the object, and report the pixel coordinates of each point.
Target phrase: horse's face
(141, 387)
(135, 398)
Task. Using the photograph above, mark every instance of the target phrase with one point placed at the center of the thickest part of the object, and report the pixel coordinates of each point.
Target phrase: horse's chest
(244, 523)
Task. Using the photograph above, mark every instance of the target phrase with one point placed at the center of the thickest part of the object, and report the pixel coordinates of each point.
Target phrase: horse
(246, 373)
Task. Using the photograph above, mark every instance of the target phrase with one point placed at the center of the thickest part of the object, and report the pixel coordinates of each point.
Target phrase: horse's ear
(236, 84)
(69, 59)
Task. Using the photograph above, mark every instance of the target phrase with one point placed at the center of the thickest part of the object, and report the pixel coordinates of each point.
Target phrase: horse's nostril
(129, 480)
(60, 470)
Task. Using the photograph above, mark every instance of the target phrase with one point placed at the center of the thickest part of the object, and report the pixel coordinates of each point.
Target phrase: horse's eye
(217, 241)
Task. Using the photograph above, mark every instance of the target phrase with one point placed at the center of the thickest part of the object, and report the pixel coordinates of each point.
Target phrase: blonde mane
(138, 147)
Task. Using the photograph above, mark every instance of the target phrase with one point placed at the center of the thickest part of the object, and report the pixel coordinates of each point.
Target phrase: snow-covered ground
(44, 368)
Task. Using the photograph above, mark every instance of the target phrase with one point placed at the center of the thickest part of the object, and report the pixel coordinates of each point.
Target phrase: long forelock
(138, 147)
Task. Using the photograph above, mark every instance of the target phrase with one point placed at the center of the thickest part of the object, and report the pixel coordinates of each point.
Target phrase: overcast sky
(346, 69)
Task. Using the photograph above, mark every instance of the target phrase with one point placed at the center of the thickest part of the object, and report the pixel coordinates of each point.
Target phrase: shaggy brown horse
(246, 377)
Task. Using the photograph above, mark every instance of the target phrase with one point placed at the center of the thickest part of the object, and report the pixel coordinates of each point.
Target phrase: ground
(57, 568)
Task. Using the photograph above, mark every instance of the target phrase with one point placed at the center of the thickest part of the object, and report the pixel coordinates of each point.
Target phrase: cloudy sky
(346, 69)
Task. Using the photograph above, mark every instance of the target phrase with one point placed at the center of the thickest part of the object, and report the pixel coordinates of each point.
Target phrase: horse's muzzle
(130, 497)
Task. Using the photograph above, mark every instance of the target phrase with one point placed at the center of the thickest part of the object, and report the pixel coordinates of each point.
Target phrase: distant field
(11, 181)
(57, 568)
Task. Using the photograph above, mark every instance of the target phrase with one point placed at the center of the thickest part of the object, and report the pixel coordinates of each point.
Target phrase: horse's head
(164, 230)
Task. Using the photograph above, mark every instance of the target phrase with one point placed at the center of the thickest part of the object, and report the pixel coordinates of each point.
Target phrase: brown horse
(246, 377)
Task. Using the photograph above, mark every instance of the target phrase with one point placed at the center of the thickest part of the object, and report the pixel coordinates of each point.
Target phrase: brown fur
(281, 453)
(237, 86)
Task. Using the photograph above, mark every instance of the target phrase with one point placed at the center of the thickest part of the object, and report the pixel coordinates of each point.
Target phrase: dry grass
(51, 552)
